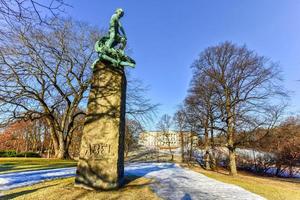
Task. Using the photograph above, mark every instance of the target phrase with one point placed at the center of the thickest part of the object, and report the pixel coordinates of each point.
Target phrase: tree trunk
(54, 138)
(182, 146)
(126, 149)
(278, 169)
(191, 146)
(61, 152)
(213, 163)
(254, 160)
(170, 150)
(206, 148)
(230, 135)
(232, 162)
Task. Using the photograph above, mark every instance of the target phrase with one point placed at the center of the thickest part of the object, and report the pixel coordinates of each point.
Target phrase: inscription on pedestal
(98, 151)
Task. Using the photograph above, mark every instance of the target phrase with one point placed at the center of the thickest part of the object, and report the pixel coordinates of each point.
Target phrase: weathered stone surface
(101, 161)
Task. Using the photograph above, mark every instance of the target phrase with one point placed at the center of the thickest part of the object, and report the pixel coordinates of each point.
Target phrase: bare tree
(244, 83)
(138, 107)
(12, 11)
(132, 130)
(192, 126)
(164, 126)
(201, 101)
(180, 121)
(45, 73)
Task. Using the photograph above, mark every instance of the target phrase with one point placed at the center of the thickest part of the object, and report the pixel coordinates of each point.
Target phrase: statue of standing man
(115, 27)
(111, 48)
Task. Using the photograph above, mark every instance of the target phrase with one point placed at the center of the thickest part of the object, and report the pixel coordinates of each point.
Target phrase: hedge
(13, 153)
(28, 154)
(8, 153)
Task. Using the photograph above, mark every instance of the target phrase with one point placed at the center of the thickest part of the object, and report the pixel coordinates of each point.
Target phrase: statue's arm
(122, 30)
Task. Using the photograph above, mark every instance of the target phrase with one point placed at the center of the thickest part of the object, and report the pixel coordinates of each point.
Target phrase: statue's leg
(111, 39)
(107, 58)
(123, 43)
(124, 63)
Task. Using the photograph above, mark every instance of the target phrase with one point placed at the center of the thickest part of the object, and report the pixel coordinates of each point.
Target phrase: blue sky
(165, 36)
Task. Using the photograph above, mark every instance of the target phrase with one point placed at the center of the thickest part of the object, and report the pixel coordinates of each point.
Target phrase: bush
(28, 154)
(8, 153)
(13, 153)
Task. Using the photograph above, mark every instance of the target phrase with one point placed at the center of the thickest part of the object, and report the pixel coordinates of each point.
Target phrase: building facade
(167, 140)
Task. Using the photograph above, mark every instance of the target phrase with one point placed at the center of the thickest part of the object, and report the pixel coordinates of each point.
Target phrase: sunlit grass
(136, 188)
(268, 187)
(25, 164)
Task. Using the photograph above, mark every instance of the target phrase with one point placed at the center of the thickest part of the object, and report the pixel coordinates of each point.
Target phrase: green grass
(25, 164)
(268, 187)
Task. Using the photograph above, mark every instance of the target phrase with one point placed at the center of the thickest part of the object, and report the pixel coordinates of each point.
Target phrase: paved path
(172, 182)
(175, 182)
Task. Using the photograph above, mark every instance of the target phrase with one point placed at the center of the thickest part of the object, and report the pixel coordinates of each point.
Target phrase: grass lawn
(135, 188)
(268, 187)
(25, 164)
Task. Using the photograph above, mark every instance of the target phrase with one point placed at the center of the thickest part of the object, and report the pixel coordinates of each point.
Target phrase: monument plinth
(101, 161)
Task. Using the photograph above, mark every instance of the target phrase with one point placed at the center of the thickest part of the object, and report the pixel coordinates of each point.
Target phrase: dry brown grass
(135, 188)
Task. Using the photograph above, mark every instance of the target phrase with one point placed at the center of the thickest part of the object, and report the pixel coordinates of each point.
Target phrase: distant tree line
(281, 147)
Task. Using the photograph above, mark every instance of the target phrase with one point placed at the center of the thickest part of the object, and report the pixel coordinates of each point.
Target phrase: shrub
(28, 154)
(8, 153)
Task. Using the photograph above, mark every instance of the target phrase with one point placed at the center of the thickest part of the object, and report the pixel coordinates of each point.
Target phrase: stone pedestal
(101, 161)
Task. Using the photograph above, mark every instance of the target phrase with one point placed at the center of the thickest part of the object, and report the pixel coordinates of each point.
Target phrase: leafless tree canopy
(45, 73)
(30, 10)
(138, 106)
(232, 91)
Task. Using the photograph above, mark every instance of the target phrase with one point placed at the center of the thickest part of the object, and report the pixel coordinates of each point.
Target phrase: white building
(171, 139)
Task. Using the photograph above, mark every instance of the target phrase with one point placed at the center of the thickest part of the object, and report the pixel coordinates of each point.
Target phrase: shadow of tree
(24, 192)
(143, 171)
(128, 185)
(186, 197)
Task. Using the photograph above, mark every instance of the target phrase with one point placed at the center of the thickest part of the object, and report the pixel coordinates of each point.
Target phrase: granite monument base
(101, 161)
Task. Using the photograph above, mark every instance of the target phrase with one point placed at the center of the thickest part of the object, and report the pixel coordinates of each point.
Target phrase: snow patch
(4, 181)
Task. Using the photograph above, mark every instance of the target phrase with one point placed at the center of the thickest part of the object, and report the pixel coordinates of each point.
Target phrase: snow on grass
(4, 181)
(19, 179)
(171, 181)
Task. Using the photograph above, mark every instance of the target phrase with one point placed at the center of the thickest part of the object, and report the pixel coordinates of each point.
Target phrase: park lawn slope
(63, 189)
(24, 164)
(268, 187)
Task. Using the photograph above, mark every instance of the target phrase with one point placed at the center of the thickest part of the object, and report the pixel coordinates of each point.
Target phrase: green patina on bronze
(111, 48)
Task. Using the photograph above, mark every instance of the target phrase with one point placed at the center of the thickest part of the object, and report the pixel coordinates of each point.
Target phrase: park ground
(135, 187)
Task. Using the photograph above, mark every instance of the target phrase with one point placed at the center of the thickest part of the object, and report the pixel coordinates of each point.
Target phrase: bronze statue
(111, 47)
